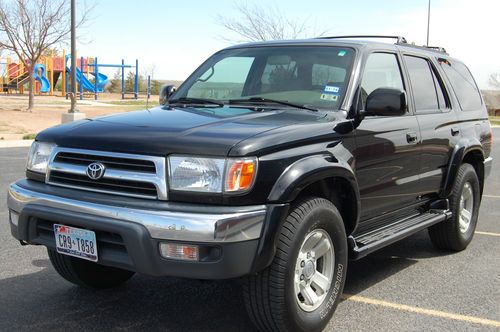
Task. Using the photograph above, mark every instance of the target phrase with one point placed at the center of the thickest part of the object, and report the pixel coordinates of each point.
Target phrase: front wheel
(302, 287)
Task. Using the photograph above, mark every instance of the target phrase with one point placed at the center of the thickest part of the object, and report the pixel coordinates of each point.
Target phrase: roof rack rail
(437, 48)
(399, 39)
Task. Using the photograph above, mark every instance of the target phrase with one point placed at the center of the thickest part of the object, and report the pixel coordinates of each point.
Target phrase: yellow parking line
(487, 233)
(491, 196)
(422, 311)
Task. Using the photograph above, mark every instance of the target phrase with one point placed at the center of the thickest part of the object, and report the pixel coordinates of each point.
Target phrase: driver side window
(381, 71)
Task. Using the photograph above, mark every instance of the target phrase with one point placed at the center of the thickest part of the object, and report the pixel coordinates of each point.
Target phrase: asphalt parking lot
(408, 286)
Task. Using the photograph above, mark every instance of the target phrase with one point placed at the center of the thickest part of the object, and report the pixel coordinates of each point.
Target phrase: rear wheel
(302, 287)
(85, 273)
(456, 234)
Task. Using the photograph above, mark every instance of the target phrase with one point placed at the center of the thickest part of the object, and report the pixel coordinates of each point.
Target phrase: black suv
(273, 161)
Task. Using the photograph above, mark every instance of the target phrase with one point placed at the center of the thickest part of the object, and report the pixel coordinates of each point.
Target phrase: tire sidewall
(328, 219)
(468, 175)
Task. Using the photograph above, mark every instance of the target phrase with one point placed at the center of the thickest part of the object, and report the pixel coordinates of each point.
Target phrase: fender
(296, 177)
(308, 170)
(462, 148)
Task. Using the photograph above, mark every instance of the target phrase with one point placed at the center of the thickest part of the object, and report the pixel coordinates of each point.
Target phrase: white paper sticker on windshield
(329, 96)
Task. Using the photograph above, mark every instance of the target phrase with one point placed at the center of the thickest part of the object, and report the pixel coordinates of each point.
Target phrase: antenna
(428, 22)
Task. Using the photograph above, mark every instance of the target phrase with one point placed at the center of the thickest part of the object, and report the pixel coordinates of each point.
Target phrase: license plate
(76, 242)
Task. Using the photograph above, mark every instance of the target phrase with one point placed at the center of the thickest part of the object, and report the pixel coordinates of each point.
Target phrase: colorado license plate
(76, 242)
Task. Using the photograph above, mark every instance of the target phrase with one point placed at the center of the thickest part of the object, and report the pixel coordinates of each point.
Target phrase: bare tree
(255, 23)
(30, 28)
(494, 80)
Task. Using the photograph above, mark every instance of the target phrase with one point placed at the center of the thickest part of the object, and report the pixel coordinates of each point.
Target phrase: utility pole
(73, 114)
(428, 21)
(73, 58)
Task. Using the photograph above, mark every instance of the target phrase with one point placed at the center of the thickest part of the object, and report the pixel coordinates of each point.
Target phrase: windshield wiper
(267, 100)
(189, 100)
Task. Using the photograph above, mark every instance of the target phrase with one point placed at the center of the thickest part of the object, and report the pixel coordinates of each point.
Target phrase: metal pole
(149, 86)
(123, 79)
(428, 21)
(73, 58)
(136, 82)
(81, 78)
(96, 74)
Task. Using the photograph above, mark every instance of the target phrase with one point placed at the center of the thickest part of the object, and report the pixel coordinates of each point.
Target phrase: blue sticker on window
(331, 89)
(342, 53)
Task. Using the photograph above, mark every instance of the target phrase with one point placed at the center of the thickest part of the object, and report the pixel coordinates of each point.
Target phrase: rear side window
(427, 91)
(463, 84)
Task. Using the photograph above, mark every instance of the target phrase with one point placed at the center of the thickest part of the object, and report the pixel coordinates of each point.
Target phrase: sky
(171, 38)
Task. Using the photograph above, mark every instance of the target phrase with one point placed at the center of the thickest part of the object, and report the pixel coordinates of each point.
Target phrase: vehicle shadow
(42, 300)
(372, 269)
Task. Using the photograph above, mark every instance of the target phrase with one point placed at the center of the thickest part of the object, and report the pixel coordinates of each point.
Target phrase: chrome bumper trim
(487, 166)
(242, 224)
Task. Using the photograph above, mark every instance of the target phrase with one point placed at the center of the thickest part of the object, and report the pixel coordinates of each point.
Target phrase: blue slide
(87, 85)
(102, 79)
(44, 82)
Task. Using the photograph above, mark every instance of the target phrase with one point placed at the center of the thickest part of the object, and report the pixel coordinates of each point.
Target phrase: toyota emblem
(95, 171)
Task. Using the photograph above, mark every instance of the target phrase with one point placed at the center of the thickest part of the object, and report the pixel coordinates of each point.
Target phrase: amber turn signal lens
(240, 174)
(179, 251)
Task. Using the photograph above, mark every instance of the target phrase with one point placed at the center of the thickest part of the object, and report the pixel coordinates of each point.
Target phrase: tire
(88, 274)
(271, 296)
(451, 234)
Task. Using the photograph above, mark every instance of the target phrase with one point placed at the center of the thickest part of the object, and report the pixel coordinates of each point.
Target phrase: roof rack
(437, 48)
(399, 39)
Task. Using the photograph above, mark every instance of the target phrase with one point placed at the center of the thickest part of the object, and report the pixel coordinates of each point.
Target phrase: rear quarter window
(463, 84)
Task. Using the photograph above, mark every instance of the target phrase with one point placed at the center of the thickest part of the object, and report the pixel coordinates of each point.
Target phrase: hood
(163, 130)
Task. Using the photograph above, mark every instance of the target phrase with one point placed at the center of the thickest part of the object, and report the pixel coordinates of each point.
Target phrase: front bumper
(130, 230)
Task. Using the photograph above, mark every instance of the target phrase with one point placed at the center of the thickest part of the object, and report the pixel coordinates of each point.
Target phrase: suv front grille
(125, 174)
(106, 185)
(118, 163)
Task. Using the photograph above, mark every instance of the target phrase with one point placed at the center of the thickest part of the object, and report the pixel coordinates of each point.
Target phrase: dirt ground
(16, 123)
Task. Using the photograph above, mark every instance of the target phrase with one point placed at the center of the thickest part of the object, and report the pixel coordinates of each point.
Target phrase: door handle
(455, 131)
(411, 137)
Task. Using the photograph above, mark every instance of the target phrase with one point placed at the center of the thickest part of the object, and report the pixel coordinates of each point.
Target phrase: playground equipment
(51, 68)
(17, 76)
(39, 72)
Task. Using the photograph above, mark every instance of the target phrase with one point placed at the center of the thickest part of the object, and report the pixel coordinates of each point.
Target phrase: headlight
(39, 155)
(213, 175)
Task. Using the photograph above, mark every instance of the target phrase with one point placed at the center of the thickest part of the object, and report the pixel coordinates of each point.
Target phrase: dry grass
(16, 124)
(495, 120)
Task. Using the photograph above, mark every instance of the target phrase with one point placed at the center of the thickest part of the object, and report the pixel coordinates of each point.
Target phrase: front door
(388, 149)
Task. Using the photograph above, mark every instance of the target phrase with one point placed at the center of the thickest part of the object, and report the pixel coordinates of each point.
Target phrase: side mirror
(386, 102)
(165, 92)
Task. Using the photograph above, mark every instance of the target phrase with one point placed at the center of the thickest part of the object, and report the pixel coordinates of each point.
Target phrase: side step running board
(366, 243)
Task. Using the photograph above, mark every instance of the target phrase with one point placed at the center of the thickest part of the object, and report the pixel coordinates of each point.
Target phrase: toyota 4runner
(273, 161)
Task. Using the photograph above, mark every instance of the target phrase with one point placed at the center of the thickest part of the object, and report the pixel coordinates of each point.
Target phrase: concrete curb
(15, 143)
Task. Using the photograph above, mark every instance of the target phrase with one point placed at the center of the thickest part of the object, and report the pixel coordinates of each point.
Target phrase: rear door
(438, 122)
(387, 153)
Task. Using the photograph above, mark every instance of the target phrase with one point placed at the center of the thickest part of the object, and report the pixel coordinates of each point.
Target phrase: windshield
(314, 76)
